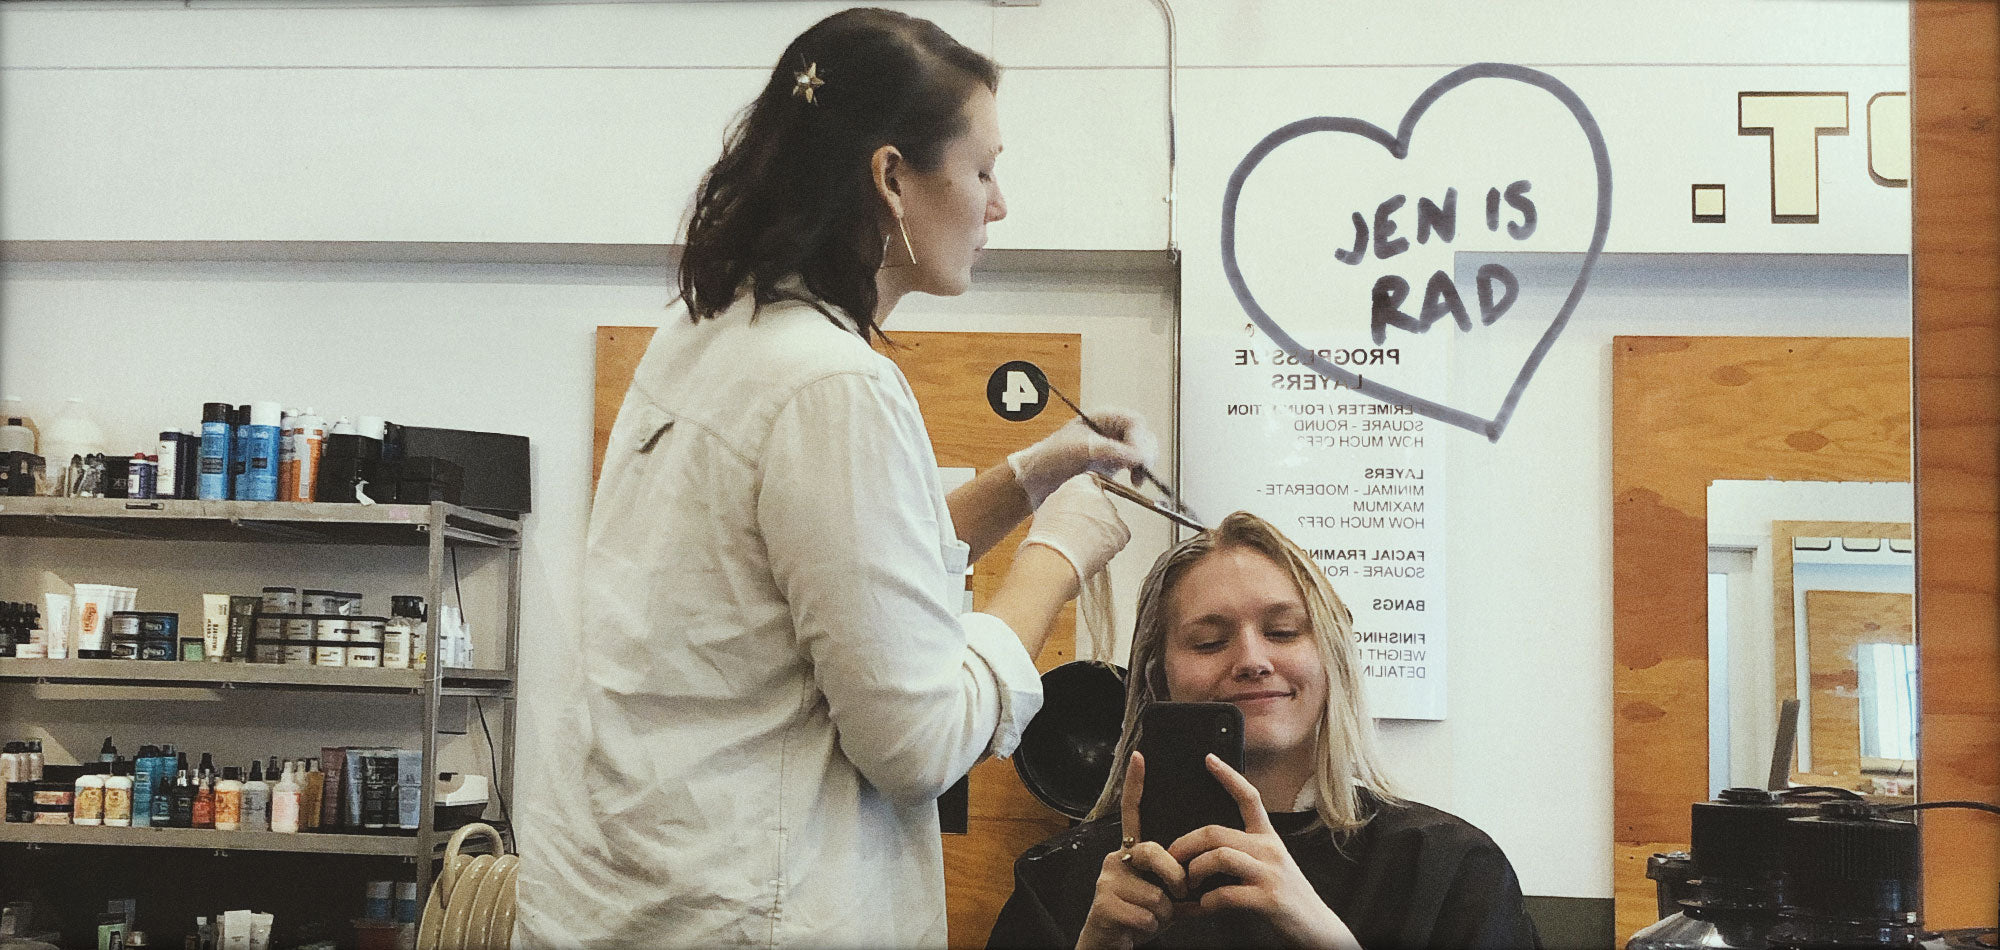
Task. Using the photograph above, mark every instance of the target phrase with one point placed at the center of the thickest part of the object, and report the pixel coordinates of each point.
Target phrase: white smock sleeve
(849, 509)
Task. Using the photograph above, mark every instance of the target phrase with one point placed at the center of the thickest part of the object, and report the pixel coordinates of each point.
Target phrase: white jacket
(777, 683)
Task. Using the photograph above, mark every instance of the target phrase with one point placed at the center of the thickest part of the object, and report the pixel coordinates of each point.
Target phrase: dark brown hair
(793, 195)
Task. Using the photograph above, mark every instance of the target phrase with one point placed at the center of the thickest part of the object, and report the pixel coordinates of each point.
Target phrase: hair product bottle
(260, 473)
(256, 799)
(118, 796)
(87, 805)
(285, 803)
(202, 810)
(182, 798)
(311, 796)
(229, 800)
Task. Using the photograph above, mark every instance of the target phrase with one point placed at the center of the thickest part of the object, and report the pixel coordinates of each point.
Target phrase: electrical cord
(1926, 806)
(492, 755)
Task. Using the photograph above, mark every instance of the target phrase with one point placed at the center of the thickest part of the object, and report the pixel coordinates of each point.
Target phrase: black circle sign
(1017, 391)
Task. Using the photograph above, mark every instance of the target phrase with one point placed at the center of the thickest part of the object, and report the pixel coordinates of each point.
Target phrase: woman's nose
(1252, 658)
(996, 208)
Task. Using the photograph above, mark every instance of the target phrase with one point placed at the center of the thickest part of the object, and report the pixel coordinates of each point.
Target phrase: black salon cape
(1413, 877)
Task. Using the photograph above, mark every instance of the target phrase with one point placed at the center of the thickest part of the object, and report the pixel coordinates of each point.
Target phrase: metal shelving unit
(438, 527)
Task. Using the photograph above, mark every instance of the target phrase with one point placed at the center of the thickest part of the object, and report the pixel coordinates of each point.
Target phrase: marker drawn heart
(1398, 146)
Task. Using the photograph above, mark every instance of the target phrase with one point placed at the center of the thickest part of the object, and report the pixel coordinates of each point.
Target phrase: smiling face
(946, 209)
(1238, 632)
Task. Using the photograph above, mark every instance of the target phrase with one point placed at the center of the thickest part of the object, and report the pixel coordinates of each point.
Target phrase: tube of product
(95, 603)
(215, 626)
(212, 480)
(55, 630)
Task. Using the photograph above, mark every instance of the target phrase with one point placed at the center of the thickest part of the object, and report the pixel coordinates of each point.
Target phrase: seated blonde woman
(1331, 857)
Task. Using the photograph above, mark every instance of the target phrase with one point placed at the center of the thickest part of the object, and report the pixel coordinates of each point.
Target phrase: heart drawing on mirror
(1398, 147)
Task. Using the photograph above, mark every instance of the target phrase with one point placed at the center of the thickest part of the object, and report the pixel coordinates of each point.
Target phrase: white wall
(587, 123)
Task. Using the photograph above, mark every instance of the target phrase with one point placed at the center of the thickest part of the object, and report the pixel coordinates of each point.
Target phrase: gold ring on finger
(1127, 841)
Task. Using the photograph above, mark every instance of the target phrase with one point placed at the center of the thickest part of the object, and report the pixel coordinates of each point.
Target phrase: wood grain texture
(1955, 177)
(1838, 624)
(948, 373)
(1784, 666)
(1687, 411)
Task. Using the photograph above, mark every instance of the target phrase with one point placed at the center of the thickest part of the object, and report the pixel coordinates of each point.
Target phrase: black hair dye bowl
(1067, 750)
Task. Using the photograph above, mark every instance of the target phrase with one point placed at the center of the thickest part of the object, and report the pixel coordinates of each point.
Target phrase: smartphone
(1181, 794)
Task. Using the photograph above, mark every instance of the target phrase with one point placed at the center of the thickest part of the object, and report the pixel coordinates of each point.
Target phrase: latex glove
(1073, 449)
(1079, 522)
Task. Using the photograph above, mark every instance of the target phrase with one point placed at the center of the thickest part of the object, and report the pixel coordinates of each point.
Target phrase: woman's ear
(884, 166)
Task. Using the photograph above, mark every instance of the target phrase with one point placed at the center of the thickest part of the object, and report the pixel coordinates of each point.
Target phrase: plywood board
(1838, 624)
(1687, 411)
(1955, 103)
(1784, 637)
(948, 373)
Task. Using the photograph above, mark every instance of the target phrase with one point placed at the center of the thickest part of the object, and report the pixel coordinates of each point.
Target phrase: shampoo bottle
(212, 469)
(144, 780)
(87, 804)
(256, 799)
(285, 803)
(118, 796)
(260, 474)
(229, 800)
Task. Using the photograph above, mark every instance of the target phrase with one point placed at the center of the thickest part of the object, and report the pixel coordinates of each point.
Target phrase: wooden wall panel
(948, 373)
(1685, 412)
(1955, 131)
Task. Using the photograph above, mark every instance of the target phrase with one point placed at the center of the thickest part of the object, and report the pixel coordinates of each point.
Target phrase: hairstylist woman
(777, 680)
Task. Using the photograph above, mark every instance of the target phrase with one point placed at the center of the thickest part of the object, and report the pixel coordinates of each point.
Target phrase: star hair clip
(805, 81)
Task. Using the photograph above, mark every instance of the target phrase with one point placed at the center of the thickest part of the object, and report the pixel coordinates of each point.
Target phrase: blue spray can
(239, 451)
(262, 443)
(212, 478)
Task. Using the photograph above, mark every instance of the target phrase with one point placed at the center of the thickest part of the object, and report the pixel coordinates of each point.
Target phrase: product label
(90, 803)
(228, 808)
(118, 804)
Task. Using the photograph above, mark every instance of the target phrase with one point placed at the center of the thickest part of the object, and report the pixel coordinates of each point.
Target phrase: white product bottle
(87, 804)
(15, 436)
(118, 796)
(256, 800)
(285, 803)
(73, 432)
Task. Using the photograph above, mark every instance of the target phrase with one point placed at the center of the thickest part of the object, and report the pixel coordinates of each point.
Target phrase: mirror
(1812, 648)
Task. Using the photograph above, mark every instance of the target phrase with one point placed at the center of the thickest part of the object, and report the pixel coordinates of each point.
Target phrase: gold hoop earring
(909, 250)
